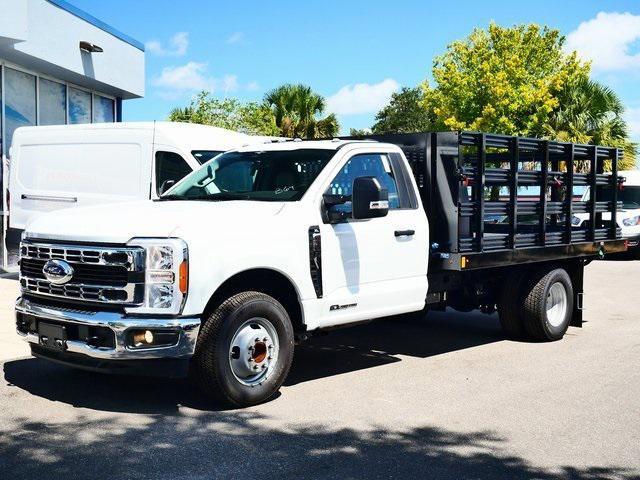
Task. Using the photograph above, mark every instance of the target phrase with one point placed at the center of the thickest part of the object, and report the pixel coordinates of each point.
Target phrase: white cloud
(253, 86)
(192, 77)
(606, 40)
(235, 37)
(632, 116)
(177, 47)
(362, 97)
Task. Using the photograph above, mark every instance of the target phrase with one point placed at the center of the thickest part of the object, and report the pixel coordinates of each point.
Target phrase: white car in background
(67, 166)
(628, 218)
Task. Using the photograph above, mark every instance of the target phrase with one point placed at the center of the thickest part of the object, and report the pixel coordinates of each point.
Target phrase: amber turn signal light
(183, 277)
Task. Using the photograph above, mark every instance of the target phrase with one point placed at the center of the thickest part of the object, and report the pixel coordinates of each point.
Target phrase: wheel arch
(265, 280)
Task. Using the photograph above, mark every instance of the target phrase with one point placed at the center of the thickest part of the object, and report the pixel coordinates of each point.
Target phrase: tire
(545, 289)
(249, 371)
(509, 308)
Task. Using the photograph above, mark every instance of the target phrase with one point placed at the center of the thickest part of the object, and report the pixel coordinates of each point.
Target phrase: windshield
(629, 196)
(203, 156)
(268, 176)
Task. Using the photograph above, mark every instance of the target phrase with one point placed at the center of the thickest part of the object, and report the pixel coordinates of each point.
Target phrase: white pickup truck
(266, 245)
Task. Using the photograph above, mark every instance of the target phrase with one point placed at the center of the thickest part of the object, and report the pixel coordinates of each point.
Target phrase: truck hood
(119, 223)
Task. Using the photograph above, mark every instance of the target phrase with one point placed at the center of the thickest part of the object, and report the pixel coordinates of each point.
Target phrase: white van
(54, 167)
(628, 218)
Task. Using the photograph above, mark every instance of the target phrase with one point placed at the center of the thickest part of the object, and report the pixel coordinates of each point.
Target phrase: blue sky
(353, 52)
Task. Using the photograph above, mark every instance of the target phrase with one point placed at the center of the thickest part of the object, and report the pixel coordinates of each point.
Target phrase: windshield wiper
(211, 197)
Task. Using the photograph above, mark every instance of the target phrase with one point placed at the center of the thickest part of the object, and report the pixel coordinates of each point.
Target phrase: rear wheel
(548, 305)
(244, 350)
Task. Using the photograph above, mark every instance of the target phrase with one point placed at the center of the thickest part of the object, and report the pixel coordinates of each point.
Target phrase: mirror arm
(331, 200)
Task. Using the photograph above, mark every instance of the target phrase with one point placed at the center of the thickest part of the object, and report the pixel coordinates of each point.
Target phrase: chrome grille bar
(125, 295)
(131, 258)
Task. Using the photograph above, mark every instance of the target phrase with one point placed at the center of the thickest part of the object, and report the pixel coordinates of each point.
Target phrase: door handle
(404, 233)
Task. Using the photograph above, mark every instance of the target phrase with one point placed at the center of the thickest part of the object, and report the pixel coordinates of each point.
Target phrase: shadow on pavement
(341, 351)
(242, 444)
(379, 343)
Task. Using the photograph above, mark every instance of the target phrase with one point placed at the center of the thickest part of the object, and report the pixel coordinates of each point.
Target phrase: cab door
(374, 267)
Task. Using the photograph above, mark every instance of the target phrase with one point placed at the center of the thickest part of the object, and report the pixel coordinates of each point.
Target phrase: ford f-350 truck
(266, 245)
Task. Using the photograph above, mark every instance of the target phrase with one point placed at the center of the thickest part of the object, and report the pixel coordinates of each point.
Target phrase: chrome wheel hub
(253, 353)
(556, 304)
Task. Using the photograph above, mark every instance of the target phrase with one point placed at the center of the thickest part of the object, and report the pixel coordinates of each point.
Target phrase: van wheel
(244, 350)
(548, 305)
(510, 307)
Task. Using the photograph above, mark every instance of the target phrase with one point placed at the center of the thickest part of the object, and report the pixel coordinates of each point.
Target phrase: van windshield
(629, 196)
(203, 156)
(267, 175)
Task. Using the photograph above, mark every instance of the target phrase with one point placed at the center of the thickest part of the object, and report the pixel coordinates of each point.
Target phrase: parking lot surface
(443, 397)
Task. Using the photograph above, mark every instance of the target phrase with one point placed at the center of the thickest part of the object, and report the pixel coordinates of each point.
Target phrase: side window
(366, 165)
(170, 166)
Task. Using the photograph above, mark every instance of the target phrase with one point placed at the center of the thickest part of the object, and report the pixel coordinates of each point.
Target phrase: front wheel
(548, 305)
(244, 350)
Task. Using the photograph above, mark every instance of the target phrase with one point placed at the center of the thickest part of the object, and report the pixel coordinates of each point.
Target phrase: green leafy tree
(503, 80)
(251, 118)
(519, 81)
(359, 132)
(590, 112)
(296, 109)
(405, 113)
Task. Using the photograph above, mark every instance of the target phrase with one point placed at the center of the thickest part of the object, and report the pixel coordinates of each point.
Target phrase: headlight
(631, 222)
(166, 275)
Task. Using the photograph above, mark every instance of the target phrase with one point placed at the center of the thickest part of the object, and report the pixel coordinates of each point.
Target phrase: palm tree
(178, 114)
(296, 109)
(591, 113)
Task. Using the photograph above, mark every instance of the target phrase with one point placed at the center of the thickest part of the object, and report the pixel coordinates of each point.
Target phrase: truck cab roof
(333, 144)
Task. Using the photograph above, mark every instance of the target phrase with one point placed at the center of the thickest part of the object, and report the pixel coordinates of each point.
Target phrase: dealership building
(60, 65)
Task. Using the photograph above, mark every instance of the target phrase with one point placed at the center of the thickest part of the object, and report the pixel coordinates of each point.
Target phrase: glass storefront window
(103, 109)
(79, 106)
(32, 100)
(53, 103)
(1, 129)
(20, 102)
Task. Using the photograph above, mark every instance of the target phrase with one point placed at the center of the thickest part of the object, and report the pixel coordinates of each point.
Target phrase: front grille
(87, 274)
(113, 275)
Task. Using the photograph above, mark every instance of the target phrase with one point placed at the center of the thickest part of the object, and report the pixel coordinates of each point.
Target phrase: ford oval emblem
(57, 271)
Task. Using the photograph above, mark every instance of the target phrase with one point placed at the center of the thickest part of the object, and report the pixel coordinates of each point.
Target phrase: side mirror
(369, 199)
(332, 212)
(166, 185)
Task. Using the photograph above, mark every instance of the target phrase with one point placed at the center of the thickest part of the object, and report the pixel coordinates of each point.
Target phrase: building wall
(45, 37)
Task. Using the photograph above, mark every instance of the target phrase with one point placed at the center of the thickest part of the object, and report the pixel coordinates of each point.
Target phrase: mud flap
(577, 279)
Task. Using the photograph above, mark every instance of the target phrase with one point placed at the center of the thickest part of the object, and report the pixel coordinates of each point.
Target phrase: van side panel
(48, 173)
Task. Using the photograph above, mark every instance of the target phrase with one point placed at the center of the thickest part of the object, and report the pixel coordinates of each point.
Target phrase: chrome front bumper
(187, 327)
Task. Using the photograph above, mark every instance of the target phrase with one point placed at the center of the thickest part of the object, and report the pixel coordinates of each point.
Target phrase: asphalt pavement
(446, 397)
